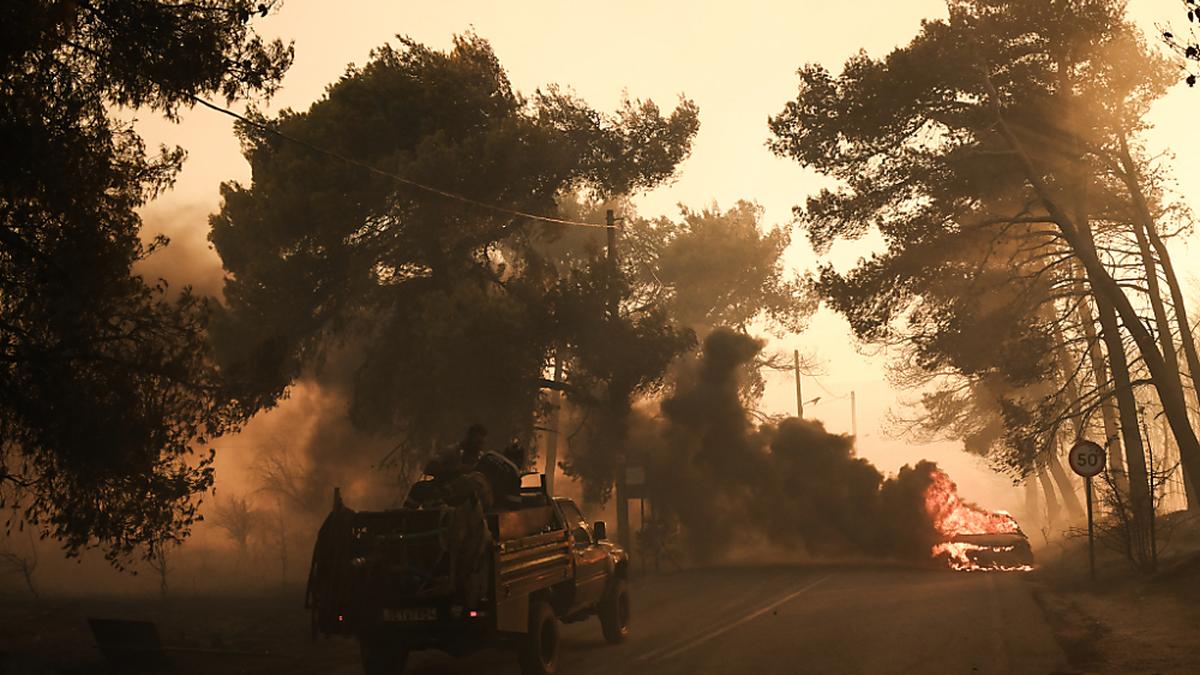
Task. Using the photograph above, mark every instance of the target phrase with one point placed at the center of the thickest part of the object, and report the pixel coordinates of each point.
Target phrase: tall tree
(105, 382)
(452, 306)
(1002, 117)
(706, 269)
(723, 268)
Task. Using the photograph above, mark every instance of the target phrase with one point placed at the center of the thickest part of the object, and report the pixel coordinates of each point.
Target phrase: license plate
(410, 614)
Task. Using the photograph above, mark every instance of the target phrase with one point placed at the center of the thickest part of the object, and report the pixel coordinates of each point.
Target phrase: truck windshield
(579, 527)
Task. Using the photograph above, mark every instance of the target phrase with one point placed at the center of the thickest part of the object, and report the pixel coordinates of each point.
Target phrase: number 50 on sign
(1086, 458)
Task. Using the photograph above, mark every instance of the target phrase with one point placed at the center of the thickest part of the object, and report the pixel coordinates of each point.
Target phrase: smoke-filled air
(785, 486)
(664, 337)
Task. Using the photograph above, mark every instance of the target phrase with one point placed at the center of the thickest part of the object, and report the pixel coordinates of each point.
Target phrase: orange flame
(953, 517)
(955, 553)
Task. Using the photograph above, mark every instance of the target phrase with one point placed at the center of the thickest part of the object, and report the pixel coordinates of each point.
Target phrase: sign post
(635, 488)
(1087, 459)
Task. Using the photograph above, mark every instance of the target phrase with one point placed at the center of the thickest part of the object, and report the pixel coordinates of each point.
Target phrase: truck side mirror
(599, 530)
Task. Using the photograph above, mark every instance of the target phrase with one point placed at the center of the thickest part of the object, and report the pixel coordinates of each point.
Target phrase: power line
(816, 379)
(396, 177)
(354, 162)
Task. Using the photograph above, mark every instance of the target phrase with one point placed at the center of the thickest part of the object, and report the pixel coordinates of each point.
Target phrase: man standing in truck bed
(463, 458)
(492, 480)
(444, 469)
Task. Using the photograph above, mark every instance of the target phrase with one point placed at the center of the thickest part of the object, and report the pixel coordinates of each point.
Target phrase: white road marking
(677, 648)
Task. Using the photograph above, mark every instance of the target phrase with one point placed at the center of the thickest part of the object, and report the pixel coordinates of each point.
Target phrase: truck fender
(512, 614)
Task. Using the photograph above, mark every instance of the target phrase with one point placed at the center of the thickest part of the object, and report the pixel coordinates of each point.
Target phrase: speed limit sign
(1086, 458)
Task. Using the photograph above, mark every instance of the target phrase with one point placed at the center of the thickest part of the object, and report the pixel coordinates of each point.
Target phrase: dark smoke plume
(728, 482)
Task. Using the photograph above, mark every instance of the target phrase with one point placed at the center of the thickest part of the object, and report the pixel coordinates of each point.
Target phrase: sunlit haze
(445, 337)
(736, 60)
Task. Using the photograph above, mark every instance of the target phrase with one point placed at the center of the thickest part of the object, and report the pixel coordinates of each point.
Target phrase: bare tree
(23, 564)
(281, 474)
(238, 517)
(280, 524)
(157, 559)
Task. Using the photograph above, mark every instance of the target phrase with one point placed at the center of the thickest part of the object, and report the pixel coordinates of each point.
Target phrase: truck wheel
(539, 648)
(614, 612)
(381, 656)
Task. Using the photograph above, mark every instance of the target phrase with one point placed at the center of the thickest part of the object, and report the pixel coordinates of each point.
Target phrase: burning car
(1005, 551)
(976, 539)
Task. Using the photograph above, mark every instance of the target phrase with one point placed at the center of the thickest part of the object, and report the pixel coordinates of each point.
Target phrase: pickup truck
(386, 578)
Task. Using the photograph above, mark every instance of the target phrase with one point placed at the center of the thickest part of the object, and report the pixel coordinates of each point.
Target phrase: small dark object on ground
(129, 645)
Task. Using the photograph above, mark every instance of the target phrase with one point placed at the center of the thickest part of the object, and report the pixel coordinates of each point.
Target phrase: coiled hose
(328, 575)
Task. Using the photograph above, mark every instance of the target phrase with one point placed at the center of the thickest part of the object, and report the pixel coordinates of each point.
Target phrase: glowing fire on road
(974, 539)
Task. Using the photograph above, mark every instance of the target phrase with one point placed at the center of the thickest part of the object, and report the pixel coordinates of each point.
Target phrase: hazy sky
(736, 60)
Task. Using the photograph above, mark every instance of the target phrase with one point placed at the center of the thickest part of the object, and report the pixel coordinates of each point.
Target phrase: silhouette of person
(471, 447)
(446, 469)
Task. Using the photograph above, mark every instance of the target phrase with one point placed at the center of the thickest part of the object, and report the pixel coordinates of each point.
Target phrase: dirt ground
(1126, 622)
(204, 634)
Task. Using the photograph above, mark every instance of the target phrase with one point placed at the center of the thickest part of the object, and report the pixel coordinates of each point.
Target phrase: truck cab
(596, 559)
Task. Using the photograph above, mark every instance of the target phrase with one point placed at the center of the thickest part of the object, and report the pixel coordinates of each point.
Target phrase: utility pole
(613, 315)
(799, 394)
(853, 415)
(1150, 486)
(555, 420)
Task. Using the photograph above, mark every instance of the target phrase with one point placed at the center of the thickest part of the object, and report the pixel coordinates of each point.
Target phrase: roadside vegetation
(426, 247)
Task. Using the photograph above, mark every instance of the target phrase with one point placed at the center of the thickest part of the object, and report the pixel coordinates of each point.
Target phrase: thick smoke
(298, 451)
(188, 258)
(729, 483)
(295, 453)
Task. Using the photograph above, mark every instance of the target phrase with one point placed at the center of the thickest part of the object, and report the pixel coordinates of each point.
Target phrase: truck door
(591, 559)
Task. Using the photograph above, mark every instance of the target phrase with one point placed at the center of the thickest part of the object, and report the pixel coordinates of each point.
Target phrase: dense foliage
(105, 382)
(978, 275)
(452, 309)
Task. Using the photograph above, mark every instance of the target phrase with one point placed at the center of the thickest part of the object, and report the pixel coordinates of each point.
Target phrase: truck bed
(393, 567)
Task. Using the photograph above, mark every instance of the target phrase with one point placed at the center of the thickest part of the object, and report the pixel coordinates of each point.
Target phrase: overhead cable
(354, 162)
(396, 177)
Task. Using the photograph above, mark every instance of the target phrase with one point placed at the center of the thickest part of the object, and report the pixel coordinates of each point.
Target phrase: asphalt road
(808, 620)
(760, 620)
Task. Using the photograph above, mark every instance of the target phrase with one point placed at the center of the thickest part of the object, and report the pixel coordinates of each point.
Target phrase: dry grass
(1127, 622)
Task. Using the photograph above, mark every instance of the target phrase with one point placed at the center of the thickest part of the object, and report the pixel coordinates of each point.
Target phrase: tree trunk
(1189, 486)
(1070, 498)
(1100, 371)
(1165, 339)
(162, 566)
(283, 545)
(1105, 287)
(1051, 501)
(1111, 300)
(1031, 501)
(1135, 454)
(1132, 181)
(27, 575)
(1182, 490)
(1066, 376)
